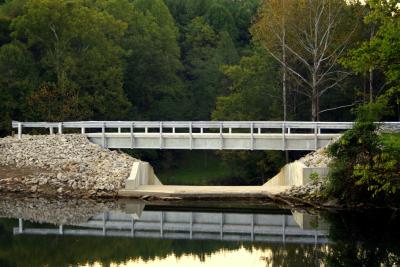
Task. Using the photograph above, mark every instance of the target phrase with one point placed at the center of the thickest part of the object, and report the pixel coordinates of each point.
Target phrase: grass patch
(391, 140)
(196, 168)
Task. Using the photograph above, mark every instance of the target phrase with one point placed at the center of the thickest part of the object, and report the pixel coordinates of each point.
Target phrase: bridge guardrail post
(221, 138)
(190, 136)
(316, 135)
(103, 135)
(161, 138)
(60, 128)
(252, 135)
(132, 137)
(19, 130)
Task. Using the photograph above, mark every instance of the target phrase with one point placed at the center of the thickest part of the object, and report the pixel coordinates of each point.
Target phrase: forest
(63, 60)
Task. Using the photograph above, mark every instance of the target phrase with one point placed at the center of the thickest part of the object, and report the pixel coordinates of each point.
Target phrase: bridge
(271, 228)
(213, 135)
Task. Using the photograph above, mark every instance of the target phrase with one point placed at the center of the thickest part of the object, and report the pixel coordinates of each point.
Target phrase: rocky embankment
(318, 158)
(61, 165)
(312, 192)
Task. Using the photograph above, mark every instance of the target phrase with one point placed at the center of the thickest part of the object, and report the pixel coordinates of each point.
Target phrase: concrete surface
(202, 191)
(295, 174)
(142, 173)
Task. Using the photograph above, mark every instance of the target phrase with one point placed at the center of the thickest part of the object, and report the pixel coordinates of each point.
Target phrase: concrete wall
(142, 173)
(295, 173)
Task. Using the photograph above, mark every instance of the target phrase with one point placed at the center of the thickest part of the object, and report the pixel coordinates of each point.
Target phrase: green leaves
(364, 169)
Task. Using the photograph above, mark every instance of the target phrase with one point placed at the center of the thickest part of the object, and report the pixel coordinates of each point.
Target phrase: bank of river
(69, 165)
(61, 165)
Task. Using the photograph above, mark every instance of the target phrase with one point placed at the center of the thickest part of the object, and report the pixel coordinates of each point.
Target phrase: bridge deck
(230, 135)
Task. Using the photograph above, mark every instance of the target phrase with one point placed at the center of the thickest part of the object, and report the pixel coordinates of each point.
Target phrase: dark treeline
(66, 60)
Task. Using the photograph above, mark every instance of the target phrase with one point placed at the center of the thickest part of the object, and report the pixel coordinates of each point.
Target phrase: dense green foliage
(366, 165)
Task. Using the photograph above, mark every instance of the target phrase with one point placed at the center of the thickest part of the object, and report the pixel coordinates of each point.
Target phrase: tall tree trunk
(365, 87)
(314, 97)
(317, 105)
(371, 85)
(314, 107)
(284, 65)
(284, 74)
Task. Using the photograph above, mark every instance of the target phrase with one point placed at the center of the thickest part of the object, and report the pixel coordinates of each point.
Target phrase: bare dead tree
(312, 37)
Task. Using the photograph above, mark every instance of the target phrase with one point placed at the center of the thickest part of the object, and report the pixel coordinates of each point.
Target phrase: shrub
(363, 169)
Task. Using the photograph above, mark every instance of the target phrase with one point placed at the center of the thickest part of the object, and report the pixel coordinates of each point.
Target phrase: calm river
(43, 232)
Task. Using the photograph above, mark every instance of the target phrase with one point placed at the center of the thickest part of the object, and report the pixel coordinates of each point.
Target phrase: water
(46, 232)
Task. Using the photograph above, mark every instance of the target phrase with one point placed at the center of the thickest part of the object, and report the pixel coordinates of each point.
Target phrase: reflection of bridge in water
(272, 228)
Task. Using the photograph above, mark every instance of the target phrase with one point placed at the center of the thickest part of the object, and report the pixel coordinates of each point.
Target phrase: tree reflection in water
(356, 239)
(369, 238)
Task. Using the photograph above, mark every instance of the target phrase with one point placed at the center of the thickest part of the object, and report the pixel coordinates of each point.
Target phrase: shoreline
(70, 166)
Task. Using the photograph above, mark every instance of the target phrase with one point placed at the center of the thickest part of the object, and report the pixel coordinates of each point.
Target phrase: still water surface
(44, 232)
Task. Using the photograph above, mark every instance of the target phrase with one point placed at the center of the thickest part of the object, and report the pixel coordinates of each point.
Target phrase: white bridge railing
(249, 135)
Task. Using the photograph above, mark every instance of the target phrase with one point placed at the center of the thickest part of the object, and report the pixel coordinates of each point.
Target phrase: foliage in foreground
(364, 167)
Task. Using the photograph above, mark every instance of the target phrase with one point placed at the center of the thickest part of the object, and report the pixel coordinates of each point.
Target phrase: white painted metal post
(83, 130)
(119, 129)
(60, 128)
(230, 130)
(61, 229)
(51, 130)
(259, 130)
(19, 130)
(103, 135)
(173, 129)
(161, 137)
(221, 136)
(190, 135)
(132, 137)
(316, 135)
(252, 135)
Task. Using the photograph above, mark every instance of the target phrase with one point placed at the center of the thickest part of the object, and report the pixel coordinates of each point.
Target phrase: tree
(153, 67)
(205, 51)
(252, 90)
(17, 80)
(76, 48)
(221, 19)
(382, 51)
(313, 35)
